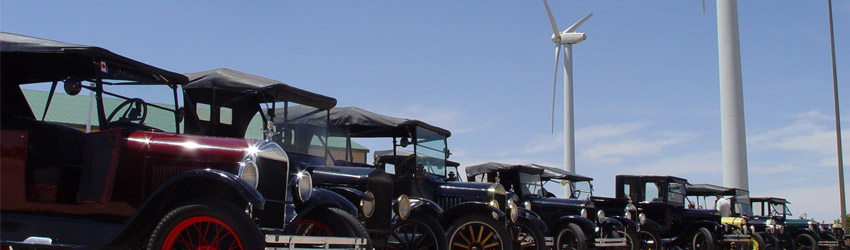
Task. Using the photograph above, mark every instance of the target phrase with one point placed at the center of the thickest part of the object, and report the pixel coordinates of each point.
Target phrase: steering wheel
(136, 112)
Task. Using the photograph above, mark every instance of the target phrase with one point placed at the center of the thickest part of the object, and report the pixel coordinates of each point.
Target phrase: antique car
(573, 221)
(740, 217)
(463, 209)
(218, 91)
(796, 233)
(662, 199)
(129, 184)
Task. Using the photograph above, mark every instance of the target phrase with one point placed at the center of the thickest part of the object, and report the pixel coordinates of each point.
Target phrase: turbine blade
(551, 19)
(555, 83)
(575, 25)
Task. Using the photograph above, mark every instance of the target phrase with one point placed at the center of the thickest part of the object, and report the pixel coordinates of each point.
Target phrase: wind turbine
(566, 39)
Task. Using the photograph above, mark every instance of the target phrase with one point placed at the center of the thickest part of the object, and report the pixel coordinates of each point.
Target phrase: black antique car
(474, 215)
(662, 199)
(793, 233)
(128, 183)
(574, 222)
(740, 217)
(217, 91)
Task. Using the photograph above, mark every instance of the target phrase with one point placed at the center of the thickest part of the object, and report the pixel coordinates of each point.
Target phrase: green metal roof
(73, 111)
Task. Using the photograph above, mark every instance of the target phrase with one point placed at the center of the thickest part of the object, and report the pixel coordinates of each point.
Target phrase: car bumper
(736, 238)
(828, 243)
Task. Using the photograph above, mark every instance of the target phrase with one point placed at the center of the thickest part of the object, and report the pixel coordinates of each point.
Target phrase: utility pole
(837, 124)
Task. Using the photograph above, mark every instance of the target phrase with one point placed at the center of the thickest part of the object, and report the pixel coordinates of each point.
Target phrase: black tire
(632, 239)
(570, 237)
(769, 241)
(650, 240)
(702, 240)
(178, 224)
(470, 224)
(417, 232)
(526, 236)
(805, 242)
(756, 242)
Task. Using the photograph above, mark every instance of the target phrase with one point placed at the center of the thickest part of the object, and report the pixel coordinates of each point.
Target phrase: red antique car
(130, 184)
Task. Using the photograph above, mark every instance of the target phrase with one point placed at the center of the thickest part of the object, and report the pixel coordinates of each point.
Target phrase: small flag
(103, 67)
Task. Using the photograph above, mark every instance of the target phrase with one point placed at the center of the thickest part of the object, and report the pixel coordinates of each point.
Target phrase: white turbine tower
(733, 133)
(566, 39)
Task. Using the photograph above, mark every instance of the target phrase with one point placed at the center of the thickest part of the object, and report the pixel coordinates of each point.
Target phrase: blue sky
(646, 79)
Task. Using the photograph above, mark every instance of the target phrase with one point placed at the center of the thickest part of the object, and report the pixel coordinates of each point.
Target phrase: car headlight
(780, 229)
(584, 213)
(368, 206)
(304, 185)
(642, 218)
(813, 225)
(527, 205)
(600, 215)
(494, 204)
(514, 210)
(403, 206)
(631, 211)
(249, 173)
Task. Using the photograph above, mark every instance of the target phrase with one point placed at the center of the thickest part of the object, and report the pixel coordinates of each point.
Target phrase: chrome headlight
(813, 225)
(495, 204)
(770, 226)
(527, 205)
(403, 206)
(368, 206)
(642, 218)
(249, 173)
(780, 229)
(631, 211)
(584, 213)
(514, 210)
(304, 185)
(600, 215)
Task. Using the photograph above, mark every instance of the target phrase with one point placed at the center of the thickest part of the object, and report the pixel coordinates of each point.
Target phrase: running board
(610, 242)
(291, 242)
(828, 243)
(736, 238)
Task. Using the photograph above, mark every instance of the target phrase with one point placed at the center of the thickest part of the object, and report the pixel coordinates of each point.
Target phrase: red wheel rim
(202, 233)
(309, 227)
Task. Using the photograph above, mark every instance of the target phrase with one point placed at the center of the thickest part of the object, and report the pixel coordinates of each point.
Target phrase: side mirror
(181, 112)
(73, 86)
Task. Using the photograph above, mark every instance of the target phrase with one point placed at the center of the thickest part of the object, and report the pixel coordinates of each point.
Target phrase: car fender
(807, 231)
(419, 206)
(649, 224)
(586, 224)
(463, 208)
(171, 193)
(611, 222)
(715, 228)
(324, 198)
(626, 222)
(351, 194)
(533, 218)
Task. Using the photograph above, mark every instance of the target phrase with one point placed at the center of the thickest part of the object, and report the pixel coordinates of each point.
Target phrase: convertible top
(357, 122)
(498, 167)
(769, 199)
(709, 190)
(557, 173)
(30, 60)
(271, 90)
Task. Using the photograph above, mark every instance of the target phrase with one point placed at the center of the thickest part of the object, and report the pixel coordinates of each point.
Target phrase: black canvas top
(708, 190)
(770, 199)
(498, 167)
(28, 59)
(240, 82)
(557, 173)
(357, 122)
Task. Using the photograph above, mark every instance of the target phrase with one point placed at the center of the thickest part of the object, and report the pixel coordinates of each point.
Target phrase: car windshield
(453, 174)
(431, 151)
(676, 193)
(581, 190)
(299, 139)
(120, 106)
(779, 209)
(530, 183)
(742, 203)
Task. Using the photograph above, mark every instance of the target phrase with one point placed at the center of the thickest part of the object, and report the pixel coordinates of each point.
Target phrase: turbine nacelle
(568, 38)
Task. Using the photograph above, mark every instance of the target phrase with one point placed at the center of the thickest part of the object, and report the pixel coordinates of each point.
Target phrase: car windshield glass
(742, 203)
(779, 209)
(430, 150)
(300, 139)
(676, 194)
(531, 183)
(581, 190)
(157, 110)
(453, 174)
